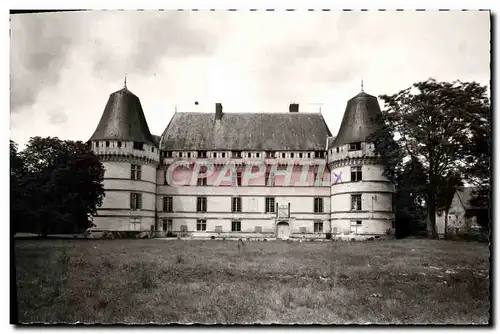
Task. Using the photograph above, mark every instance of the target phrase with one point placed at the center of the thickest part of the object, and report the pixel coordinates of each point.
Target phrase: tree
(433, 121)
(63, 185)
(17, 195)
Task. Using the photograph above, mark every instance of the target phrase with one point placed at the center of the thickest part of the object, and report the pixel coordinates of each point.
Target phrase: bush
(212, 237)
(170, 235)
(328, 235)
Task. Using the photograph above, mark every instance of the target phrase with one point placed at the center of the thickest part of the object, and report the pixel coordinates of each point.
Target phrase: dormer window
(249, 155)
(107, 143)
(189, 154)
(300, 155)
(223, 154)
(119, 144)
(257, 155)
(138, 146)
(291, 155)
(355, 146)
(282, 155)
(338, 149)
(202, 154)
(237, 154)
(168, 154)
(319, 154)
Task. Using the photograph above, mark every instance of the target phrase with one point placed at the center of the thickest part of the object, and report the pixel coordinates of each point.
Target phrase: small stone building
(462, 216)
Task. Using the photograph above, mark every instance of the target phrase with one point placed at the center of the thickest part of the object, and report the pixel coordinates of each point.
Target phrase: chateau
(260, 175)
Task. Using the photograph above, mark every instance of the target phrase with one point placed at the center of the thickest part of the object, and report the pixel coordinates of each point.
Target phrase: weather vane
(362, 85)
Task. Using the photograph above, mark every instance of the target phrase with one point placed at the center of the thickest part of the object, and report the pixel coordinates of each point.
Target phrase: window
(355, 146)
(270, 178)
(300, 155)
(189, 154)
(168, 204)
(202, 181)
(236, 204)
(135, 201)
(138, 146)
(135, 224)
(135, 172)
(318, 205)
(356, 173)
(269, 154)
(269, 204)
(152, 149)
(223, 154)
(201, 204)
(167, 225)
(202, 154)
(237, 154)
(319, 154)
(318, 227)
(355, 202)
(249, 154)
(338, 149)
(201, 225)
(119, 144)
(168, 154)
(291, 155)
(236, 226)
(238, 179)
(309, 155)
(359, 222)
(107, 143)
(257, 155)
(393, 224)
(282, 155)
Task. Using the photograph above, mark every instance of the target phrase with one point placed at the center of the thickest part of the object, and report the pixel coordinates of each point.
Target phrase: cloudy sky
(65, 65)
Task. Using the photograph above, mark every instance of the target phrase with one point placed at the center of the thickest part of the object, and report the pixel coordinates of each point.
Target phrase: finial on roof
(176, 108)
(362, 85)
(125, 81)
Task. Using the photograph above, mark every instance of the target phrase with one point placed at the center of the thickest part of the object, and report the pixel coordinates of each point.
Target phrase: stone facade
(297, 201)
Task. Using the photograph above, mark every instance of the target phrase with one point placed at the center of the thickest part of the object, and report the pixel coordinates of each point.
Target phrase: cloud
(39, 45)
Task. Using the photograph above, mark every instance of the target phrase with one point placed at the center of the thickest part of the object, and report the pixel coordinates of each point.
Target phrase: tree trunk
(431, 214)
(446, 224)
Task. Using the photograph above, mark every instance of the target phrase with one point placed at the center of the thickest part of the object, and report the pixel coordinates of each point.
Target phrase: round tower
(361, 196)
(130, 157)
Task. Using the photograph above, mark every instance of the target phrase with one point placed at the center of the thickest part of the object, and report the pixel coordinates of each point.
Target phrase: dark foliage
(56, 186)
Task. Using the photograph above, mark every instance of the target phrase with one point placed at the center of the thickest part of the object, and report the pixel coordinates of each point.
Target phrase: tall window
(269, 178)
(355, 202)
(202, 154)
(201, 204)
(135, 172)
(168, 204)
(318, 227)
(238, 179)
(201, 181)
(107, 143)
(135, 224)
(236, 226)
(135, 201)
(269, 154)
(167, 225)
(355, 146)
(270, 206)
(356, 174)
(168, 154)
(236, 204)
(318, 205)
(237, 154)
(119, 144)
(201, 225)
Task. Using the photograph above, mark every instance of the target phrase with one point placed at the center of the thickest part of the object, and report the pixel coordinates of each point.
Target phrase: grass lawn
(174, 281)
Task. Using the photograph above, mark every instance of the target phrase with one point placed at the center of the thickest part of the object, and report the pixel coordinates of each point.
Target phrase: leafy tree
(63, 185)
(17, 194)
(433, 122)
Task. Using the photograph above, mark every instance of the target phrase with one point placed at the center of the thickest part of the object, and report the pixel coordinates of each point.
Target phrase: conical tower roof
(123, 119)
(359, 119)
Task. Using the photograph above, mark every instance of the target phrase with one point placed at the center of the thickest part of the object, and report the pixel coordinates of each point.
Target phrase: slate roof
(358, 121)
(465, 195)
(123, 119)
(246, 131)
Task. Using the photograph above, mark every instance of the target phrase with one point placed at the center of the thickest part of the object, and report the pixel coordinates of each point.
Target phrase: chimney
(218, 111)
(294, 107)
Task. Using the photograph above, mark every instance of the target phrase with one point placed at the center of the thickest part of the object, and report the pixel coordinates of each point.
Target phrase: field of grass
(158, 281)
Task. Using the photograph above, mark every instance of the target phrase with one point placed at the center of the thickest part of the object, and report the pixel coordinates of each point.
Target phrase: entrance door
(282, 230)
